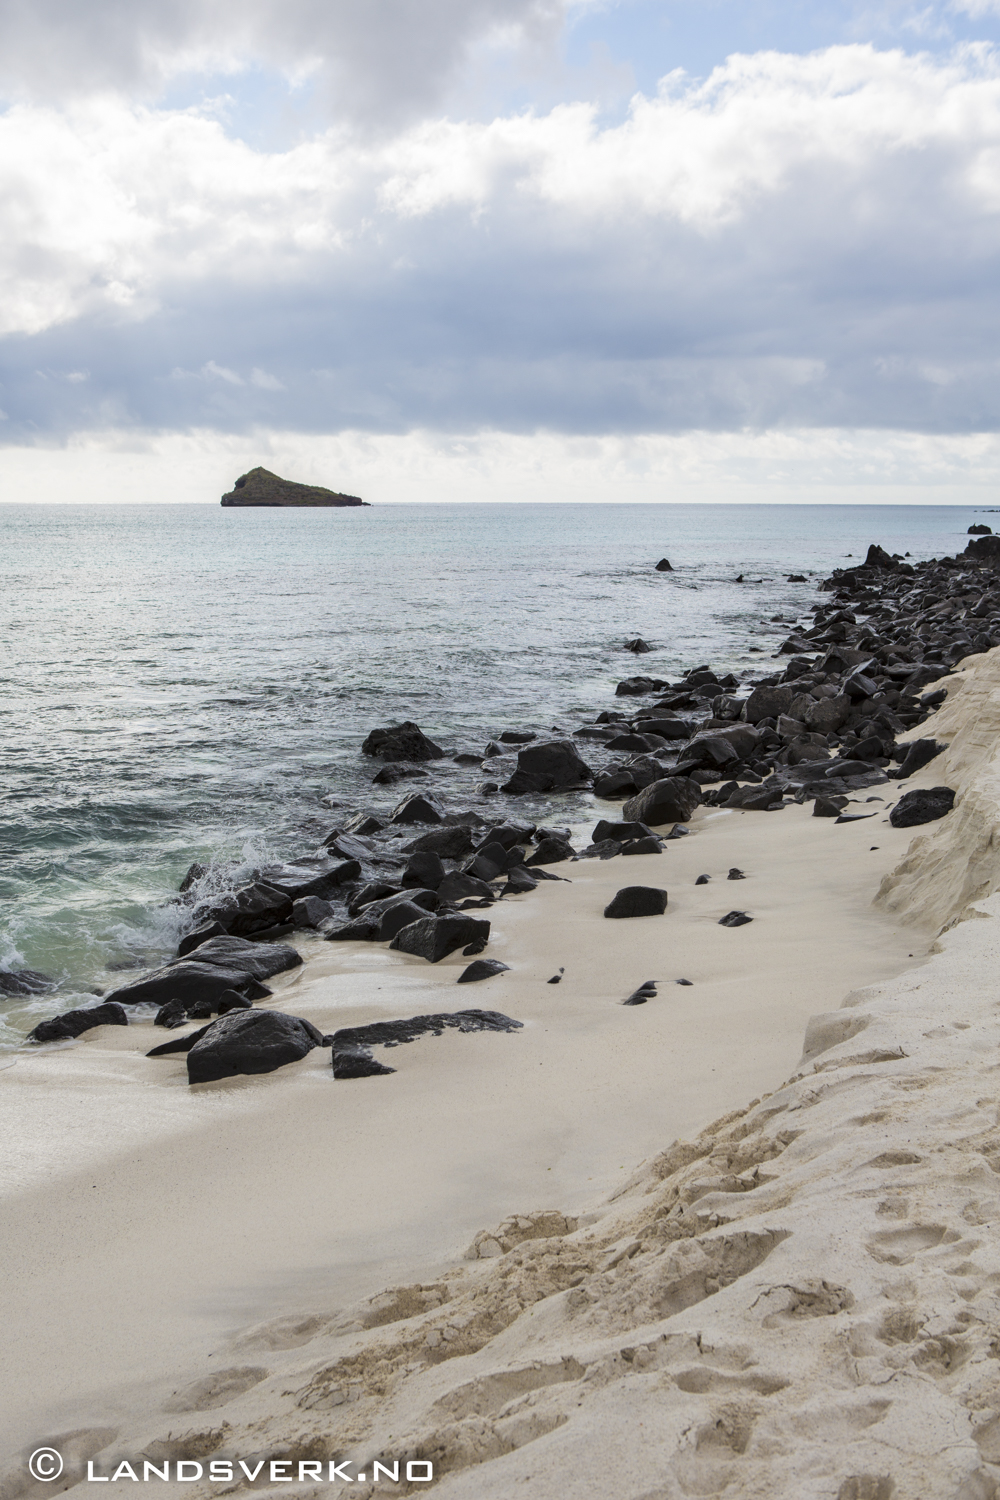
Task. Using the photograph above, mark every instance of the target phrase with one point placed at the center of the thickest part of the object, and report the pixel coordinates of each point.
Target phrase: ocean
(186, 683)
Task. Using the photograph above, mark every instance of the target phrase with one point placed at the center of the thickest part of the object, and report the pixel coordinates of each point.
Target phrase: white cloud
(799, 240)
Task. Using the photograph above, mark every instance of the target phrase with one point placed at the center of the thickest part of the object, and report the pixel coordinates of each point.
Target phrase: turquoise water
(188, 682)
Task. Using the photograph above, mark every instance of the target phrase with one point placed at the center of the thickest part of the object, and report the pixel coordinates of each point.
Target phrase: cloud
(798, 241)
(373, 61)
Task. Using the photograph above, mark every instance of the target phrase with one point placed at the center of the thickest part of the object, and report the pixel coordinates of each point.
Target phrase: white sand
(147, 1225)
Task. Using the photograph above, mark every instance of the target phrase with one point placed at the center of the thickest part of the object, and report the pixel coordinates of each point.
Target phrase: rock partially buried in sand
(646, 991)
(482, 968)
(352, 1056)
(244, 1041)
(672, 799)
(73, 1023)
(923, 806)
(919, 754)
(637, 901)
(828, 807)
(434, 938)
(735, 919)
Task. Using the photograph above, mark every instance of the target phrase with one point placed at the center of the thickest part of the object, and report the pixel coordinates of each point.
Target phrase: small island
(261, 487)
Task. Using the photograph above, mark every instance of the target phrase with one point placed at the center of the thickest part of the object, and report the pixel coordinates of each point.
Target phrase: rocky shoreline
(822, 730)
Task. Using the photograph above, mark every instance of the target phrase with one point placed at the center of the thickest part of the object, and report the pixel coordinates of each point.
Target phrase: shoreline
(791, 935)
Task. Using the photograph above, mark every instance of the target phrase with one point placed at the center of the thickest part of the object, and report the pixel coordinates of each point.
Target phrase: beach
(708, 1244)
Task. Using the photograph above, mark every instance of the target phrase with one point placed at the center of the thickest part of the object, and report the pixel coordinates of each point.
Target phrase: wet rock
(363, 824)
(424, 871)
(244, 1042)
(416, 809)
(433, 938)
(638, 646)
(380, 920)
(352, 1045)
(672, 799)
(199, 935)
(555, 765)
(253, 960)
(191, 981)
(253, 908)
(517, 736)
(24, 982)
(637, 901)
(639, 744)
(73, 1023)
(520, 881)
(735, 919)
(617, 784)
(482, 968)
(311, 911)
(664, 729)
(404, 741)
(663, 566)
(919, 753)
(461, 886)
(390, 775)
(310, 877)
(194, 874)
(925, 805)
(375, 890)
(980, 530)
(878, 558)
(348, 846)
(448, 842)
(634, 687)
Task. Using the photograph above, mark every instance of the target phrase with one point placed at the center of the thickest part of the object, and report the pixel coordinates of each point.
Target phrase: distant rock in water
(261, 487)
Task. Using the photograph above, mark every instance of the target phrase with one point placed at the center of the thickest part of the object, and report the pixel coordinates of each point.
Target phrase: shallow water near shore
(187, 683)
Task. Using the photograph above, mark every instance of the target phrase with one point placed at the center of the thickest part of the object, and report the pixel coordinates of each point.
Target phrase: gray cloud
(376, 62)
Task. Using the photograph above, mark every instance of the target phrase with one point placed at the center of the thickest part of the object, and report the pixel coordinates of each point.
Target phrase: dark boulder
(663, 566)
(919, 753)
(433, 938)
(310, 877)
(648, 845)
(666, 729)
(634, 687)
(879, 558)
(461, 886)
(482, 968)
(670, 800)
(922, 806)
(416, 809)
(424, 871)
(554, 765)
(623, 832)
(363, 824)
(195, 873)
(24, 982)
(389, 775)
(352, 1045)
(828, 807)
(638, 646)
(253, 908)
(380, 920)
(73, 1023)
(517, 736)
(199, 935)
(190, 981)
(551, 851)
(404, 741)
(637, 744)
(253, 960)
(449, 843)
(375, 890)
(768, 703)
(520, 881)
(348, 845)
(311, 911)
(980, 530)
(735, 919)
(244, 1041)
(507, 835)
(637, 901)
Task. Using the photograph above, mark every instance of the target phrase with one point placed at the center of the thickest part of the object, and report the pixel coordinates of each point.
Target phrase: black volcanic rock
(405, 741)
(553, 766)
(73, 1023)
(261, 487)
(244, 1041)
(352, 1056)
(637, 901)
(923, 806)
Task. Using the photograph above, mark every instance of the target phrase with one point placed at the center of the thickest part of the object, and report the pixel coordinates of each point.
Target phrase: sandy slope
(783, 1303)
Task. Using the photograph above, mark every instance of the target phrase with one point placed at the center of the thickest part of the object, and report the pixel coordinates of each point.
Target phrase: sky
(501, 249)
